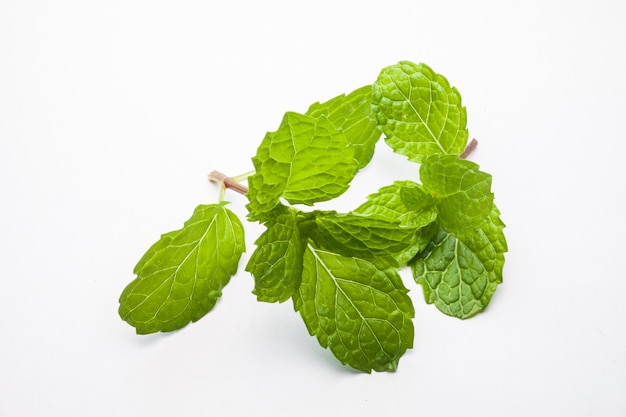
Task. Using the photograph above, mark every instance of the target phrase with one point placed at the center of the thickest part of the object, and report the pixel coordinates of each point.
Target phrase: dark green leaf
(459, 273)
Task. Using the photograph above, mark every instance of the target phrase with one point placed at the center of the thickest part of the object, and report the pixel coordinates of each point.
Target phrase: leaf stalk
(230, 182)
(469, 149)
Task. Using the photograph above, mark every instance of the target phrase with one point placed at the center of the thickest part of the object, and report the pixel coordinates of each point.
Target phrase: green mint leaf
(459, 273)
(305, 161)
(162, 243)
(493, 243)
(404, 202)
(182, 275)
(388, 229)
(362, 313)
(418, 111)
(276, 264)
(353, 115)
(383, 242)
(462, 190)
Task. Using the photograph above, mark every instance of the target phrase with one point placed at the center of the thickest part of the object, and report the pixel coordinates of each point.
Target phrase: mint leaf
(305, 161)
(160, 244)
(463, 192)
(363, 314)
(459, 273)
(380, 241)
(181, 276)
(418, 111)
(353, 115)
(387, 230)
(404, 202)
(276, 264)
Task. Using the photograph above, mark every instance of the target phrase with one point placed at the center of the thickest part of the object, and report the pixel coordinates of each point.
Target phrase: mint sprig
(342, 270)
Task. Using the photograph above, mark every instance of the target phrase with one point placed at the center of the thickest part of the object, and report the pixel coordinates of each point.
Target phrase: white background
(113, 112)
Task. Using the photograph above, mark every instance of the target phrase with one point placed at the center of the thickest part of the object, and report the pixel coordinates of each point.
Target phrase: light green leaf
(276, 264)
(404, 202)
(418, 111)
(305, 161)
(459, 274)
(353, 115)
(462, 190)
(162, 243)
(182, 275)
(363, 314)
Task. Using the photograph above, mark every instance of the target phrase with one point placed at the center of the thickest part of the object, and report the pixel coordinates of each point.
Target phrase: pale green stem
(243, 177)
(220, 197)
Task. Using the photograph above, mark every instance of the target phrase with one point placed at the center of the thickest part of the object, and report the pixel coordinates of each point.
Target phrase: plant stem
(469, 148)
(228, 182)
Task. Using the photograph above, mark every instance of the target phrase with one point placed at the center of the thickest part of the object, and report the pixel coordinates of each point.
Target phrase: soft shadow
(151, 339)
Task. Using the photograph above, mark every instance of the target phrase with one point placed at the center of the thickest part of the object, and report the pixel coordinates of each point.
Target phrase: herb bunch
(341, 270)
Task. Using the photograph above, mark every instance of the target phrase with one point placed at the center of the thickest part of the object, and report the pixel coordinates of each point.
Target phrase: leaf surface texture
(180, 278)
(353, 115)
(460, 273)
(419, 112)
(363, 314)
(276, 264)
